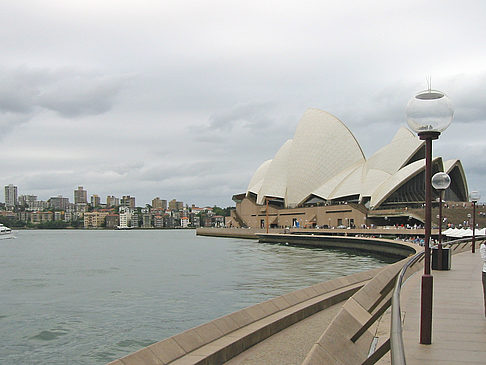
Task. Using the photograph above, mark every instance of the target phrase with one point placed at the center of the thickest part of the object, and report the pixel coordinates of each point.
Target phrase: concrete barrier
(220, 340)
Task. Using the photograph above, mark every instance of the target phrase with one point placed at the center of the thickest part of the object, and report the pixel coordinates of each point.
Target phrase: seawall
(344, 239)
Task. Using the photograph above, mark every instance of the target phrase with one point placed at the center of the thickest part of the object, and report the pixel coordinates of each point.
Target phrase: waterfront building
(58, 203)
(158, 221)
(184, 222)
(134, 220)
(94, 219)
(81, 208)
(146, 220)
(41, 217)
(58, 215)
(125, 216)
(80, 196)
(112, 221)
(217, 221)
(10, 196)
(321, 177)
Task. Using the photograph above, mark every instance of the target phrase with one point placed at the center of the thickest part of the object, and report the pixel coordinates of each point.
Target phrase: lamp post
(474, 196)
(440, 182)
(266, 213)
(428, 114)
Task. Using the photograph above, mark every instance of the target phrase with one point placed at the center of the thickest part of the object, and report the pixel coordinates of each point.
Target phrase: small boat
(5, 232)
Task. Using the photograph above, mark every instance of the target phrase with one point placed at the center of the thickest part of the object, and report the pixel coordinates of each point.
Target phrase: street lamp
(440, 182)
(429, 113)
(474, 196)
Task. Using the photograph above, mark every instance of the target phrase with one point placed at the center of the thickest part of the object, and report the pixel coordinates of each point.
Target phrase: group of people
(482, 250)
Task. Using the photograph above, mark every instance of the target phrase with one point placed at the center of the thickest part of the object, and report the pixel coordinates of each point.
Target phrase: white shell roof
(324, 159)
(275, 183)
(398, 179)
(257, 179)
(322, 147)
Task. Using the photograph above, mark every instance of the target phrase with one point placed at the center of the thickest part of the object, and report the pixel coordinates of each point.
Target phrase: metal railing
(396, 340)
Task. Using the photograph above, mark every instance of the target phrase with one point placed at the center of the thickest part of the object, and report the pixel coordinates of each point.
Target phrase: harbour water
(89, 297)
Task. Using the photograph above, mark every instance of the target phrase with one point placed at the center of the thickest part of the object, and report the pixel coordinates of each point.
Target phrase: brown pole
(427, 278)
(439, 256)
(473, 250)
(266, 214)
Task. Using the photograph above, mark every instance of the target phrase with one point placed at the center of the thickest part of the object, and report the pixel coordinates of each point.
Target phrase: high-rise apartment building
(128, 201)
(175, 205)
(112, 202)
(158, 203)
(27, 201)
(58, 202)
(95, 200)
(10, 196)
(80, 196)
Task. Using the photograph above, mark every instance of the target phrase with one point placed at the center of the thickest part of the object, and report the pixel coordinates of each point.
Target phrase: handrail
(396, 340)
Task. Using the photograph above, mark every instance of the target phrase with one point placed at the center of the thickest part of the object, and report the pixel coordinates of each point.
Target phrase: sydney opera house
(321, 177)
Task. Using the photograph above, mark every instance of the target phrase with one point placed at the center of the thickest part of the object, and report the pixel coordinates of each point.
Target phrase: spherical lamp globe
(429, 111)
(441, 181)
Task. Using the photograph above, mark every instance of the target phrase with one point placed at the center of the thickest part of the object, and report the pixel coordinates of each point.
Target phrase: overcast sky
(185, 99)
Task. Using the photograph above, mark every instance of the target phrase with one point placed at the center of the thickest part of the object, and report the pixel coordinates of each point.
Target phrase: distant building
(146, 220)
(27, 201)
(158, 221)
(128, 201)
(94, 219)
(41, 217)
(10, 196)
(80, 208)
(112, 220)
(217, 221)
(80, 196)
(157, 203)
(58, 203)
(184, 222)
(134, 220)
(95, 200)
(112, 202)
(125, 216)
(59, 216)
(175, 205)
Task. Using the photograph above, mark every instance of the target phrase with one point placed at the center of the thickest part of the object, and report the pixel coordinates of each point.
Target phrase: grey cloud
(80, 95)
(248, 115)
(9, 121)
(70, 93)
(469, 95)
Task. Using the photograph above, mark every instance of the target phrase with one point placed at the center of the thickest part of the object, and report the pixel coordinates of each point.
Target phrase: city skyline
(186, 100)
(81, 196)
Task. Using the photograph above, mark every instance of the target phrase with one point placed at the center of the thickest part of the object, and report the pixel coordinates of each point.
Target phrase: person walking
(482, 249)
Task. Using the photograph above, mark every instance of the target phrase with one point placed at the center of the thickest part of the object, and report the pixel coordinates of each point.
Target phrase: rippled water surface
(89, 297)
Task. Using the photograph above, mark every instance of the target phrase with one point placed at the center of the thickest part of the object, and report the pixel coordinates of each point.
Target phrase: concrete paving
(291, 345)
(458, 323)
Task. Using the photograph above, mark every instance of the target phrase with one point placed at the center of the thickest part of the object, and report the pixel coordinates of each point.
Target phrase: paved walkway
(458, 323)
(291, 345)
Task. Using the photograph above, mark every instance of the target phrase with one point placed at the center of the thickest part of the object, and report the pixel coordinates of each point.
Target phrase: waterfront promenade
(459, 325)
(458, 322)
